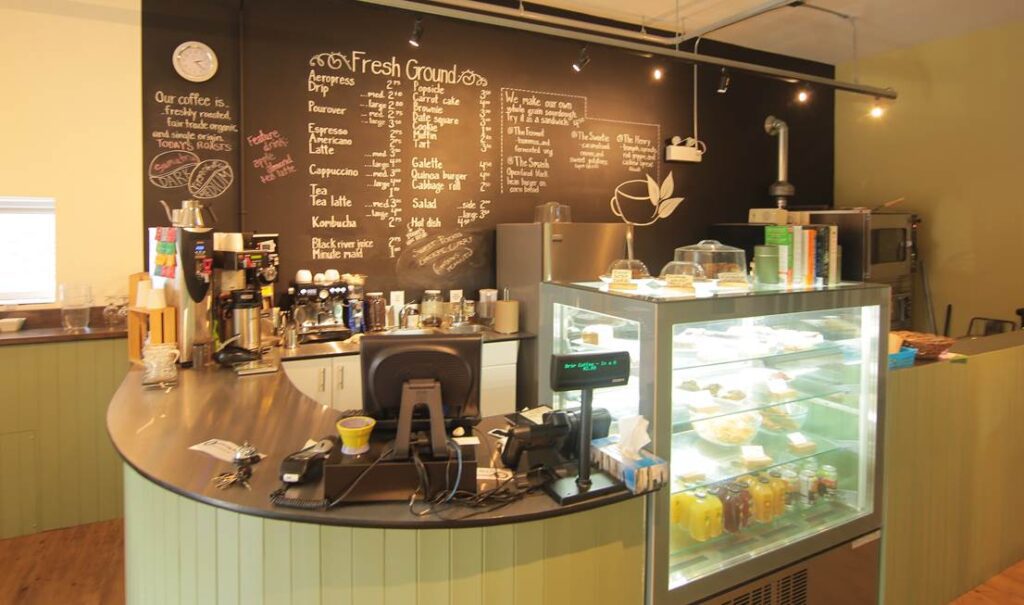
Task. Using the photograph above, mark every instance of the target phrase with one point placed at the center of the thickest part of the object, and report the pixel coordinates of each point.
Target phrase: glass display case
(767, 405)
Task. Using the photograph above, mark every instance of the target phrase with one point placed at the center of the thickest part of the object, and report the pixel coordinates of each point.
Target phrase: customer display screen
(589, 370)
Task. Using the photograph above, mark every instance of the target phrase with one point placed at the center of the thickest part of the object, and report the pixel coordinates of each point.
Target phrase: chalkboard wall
(190, 130)
(371, 156)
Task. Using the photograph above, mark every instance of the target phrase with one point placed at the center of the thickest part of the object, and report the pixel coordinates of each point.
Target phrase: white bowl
(11, 324)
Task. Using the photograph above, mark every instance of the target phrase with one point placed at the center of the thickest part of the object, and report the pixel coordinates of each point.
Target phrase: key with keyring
(240, 476)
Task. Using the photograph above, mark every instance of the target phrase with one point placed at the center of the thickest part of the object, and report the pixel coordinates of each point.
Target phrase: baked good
(784, 418)
(733, 395)
(799, 444)
(735, 429)
(776, 387)
(597, 334)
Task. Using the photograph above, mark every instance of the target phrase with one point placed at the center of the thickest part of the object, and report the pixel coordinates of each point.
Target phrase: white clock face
(195, 61)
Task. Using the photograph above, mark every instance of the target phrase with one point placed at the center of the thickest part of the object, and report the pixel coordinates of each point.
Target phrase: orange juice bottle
(779, 490)
(679, 515)
(705, 516)
(764, 500)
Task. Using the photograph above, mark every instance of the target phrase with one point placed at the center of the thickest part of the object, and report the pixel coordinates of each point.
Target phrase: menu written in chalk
(369, 156)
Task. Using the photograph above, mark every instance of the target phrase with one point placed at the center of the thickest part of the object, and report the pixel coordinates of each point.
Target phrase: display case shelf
(685, 417)
(697, 559)
(685, 359)
(721, 464)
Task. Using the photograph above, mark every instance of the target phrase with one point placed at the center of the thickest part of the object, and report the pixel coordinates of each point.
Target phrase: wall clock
(194, 61)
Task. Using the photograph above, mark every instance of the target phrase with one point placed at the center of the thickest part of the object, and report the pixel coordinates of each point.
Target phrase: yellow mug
(355, 434)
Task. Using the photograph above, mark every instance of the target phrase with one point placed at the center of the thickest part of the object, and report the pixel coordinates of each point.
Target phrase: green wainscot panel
(591, 557)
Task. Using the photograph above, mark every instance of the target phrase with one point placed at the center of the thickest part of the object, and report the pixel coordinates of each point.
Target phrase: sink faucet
(409, 317)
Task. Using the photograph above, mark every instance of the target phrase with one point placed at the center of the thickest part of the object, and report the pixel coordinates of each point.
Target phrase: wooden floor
(85, 565)
(80, 565)
(1005, 589)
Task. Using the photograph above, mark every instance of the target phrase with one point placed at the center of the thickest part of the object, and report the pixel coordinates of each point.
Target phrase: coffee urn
(181, 262)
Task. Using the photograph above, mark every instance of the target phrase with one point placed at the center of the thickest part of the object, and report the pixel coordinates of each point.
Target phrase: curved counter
(188, 541)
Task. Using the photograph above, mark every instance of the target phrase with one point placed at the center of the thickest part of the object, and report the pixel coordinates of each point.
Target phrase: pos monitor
(421, 382)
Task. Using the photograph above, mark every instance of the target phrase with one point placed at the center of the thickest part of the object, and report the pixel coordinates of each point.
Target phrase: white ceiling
(882, 25)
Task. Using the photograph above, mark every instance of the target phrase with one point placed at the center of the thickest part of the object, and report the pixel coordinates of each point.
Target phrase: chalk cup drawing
(659, 196)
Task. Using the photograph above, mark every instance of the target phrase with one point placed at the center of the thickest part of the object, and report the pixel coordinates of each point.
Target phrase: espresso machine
(181, 262)
(320, 310)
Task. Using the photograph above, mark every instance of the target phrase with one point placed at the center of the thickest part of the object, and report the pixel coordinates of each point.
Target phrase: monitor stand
(415, 393)
(585, 485)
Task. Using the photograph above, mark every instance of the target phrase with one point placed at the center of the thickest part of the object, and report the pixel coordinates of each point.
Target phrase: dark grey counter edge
(193, 480)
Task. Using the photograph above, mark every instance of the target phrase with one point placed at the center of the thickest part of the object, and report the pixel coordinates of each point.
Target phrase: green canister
(766, 264)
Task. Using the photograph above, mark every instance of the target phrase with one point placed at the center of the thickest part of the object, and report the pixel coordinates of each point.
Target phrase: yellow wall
(953, 145)
(71, 128)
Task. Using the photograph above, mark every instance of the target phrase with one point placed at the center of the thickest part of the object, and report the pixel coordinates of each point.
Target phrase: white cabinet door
(347, 383)
(497, 390)
(312, 377)
(498, 378)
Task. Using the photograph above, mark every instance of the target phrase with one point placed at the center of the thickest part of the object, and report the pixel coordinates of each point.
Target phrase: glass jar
(376, 312)
(75, 302)
(431, 308)
(714, 257)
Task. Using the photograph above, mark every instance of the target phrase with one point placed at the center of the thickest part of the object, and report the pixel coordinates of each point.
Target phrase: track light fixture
(723, 81)
(877, 110)
(803, 96)
(581, 61)
(417, 33)
(657, 73)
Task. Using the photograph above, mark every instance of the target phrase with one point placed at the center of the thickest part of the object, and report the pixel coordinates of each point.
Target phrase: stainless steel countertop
(313, 350)
(152, 431)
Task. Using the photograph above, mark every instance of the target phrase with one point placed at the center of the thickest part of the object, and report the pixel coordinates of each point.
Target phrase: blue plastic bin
(903, 359)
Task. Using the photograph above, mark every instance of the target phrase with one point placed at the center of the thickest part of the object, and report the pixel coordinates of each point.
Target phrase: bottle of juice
(705, 516)
(779, 490)
(679, 516)
(732, 504)
(764, 501)
(828, 481)
(746, 502)
(792, 480)
(808, 488)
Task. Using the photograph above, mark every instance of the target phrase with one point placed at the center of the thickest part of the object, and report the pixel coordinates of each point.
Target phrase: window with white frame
(28, 250)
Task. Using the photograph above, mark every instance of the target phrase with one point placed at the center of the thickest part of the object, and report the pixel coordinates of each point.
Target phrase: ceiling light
(723, 82)
(657, 74)
(581, 61)
(417, 32)
(803, 95)
(877, 111)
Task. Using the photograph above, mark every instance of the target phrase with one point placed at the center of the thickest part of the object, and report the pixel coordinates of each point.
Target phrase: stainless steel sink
(465, 329)
(413, 331)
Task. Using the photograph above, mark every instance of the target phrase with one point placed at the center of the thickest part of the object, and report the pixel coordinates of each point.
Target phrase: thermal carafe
(181, 262)
(245, 308)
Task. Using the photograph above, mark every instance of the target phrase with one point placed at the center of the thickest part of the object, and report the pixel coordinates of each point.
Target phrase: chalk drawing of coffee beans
(171, 169)
(210, 178)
